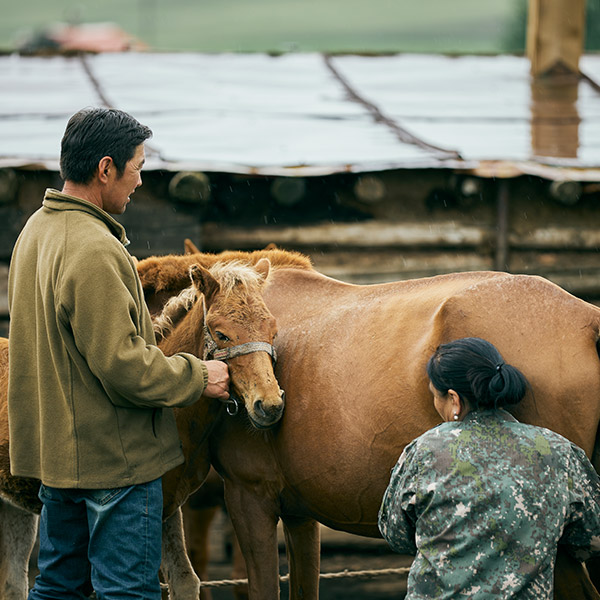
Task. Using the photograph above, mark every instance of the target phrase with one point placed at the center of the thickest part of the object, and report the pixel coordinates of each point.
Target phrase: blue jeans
(105, 540)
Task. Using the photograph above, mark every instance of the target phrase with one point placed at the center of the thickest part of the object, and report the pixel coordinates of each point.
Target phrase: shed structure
(379, 167)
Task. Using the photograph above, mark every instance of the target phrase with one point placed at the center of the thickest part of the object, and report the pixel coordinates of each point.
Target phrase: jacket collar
(498, 414)
(55, 200)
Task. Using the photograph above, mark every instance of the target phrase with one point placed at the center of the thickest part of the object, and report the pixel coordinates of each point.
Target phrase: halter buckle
(232, 405)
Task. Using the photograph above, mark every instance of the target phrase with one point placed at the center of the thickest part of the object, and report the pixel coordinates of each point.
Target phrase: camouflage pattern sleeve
(397, 512)
(482, 504)
(581, 535)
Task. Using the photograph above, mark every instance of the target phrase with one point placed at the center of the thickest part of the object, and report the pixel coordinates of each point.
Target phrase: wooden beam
(371, 234)
(377, 235)
(555, 31)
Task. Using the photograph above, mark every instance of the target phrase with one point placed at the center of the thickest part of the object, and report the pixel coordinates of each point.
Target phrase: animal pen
(380, 168)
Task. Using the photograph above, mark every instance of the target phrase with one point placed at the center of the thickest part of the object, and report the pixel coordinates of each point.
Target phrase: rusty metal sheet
(486, 107)
(36, 99)
(249, 111)
(305, 114)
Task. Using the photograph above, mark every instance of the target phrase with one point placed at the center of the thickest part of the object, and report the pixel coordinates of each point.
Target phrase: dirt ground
(339, 552)
(386, 587)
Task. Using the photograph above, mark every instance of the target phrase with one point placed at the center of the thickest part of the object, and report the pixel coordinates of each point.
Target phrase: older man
(90, 394)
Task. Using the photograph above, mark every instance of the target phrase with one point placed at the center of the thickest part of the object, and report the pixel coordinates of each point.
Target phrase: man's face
(119, 188)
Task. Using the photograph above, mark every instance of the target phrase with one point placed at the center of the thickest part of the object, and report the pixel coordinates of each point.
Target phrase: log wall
(363, 228)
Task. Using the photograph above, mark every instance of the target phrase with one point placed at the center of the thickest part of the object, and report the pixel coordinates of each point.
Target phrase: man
(90, 395)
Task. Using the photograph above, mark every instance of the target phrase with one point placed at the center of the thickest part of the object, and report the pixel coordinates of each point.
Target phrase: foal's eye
(222, 336)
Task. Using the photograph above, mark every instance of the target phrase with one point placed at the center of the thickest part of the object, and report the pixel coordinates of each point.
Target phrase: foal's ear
(263, 266)
(159, 274)
(204, 282)
(190, 247)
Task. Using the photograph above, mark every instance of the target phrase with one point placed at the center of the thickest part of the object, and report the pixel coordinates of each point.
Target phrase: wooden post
(501, 258)
(554, 116)
(555, 31)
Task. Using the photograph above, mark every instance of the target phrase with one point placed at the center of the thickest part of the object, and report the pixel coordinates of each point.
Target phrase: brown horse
(352, 361)
(18, 507)
(222, 315)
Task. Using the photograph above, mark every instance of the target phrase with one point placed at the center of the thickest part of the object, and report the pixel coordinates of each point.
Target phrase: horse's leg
(239, 570)
(176, 567)
(197, 524)
(593, 567)
(18, 529)
(303, 547)
(571, 580)
(254, 521)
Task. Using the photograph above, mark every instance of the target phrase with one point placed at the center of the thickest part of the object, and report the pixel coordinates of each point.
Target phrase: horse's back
(537, 326)
(550, 335)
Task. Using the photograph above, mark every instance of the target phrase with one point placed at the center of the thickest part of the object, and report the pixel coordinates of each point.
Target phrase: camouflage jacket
(484, 502)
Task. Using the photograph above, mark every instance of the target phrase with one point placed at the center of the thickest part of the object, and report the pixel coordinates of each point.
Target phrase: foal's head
(222, 315)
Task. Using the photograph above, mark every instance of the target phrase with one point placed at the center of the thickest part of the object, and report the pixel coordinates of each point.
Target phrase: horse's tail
(593, 565)
(596, 453)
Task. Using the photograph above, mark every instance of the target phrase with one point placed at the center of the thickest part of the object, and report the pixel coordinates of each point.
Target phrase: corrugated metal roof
(306, 114)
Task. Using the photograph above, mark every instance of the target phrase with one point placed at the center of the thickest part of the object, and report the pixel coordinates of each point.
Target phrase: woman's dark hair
(93, 133)
(476, 371)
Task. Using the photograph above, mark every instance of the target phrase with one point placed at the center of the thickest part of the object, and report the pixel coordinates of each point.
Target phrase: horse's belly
(337, 459)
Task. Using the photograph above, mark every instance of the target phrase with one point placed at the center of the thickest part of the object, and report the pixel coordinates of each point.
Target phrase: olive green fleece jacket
(90, 394)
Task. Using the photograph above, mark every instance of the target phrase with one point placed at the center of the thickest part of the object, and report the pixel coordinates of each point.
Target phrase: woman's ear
(456, 403)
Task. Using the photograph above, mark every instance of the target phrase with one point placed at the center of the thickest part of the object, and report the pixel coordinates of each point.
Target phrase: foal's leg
(18, 529)
(176, 567)
(303, 547)
(254, 519)
(197, 523)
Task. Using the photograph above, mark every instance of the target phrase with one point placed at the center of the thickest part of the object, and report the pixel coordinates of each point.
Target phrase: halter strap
(247, 348)
(212, 349)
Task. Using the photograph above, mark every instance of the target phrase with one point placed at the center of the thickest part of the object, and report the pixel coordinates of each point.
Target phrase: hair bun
(475, 369)
(506, 387)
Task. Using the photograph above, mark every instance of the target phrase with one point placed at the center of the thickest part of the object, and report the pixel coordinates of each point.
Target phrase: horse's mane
(277, 257)
(234, 273)
(228, 274)
(170, 272)
(174, 308)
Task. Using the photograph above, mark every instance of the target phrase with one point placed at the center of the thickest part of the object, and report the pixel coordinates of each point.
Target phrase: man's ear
(104, 167)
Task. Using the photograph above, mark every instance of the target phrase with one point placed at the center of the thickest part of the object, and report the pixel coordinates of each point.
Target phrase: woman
(483, 500)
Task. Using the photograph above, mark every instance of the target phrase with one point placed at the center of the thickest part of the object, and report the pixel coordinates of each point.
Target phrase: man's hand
(218, 380)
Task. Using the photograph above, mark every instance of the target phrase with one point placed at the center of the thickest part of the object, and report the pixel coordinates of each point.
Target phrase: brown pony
(222, 314)
(18, 507)
(352, 361)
